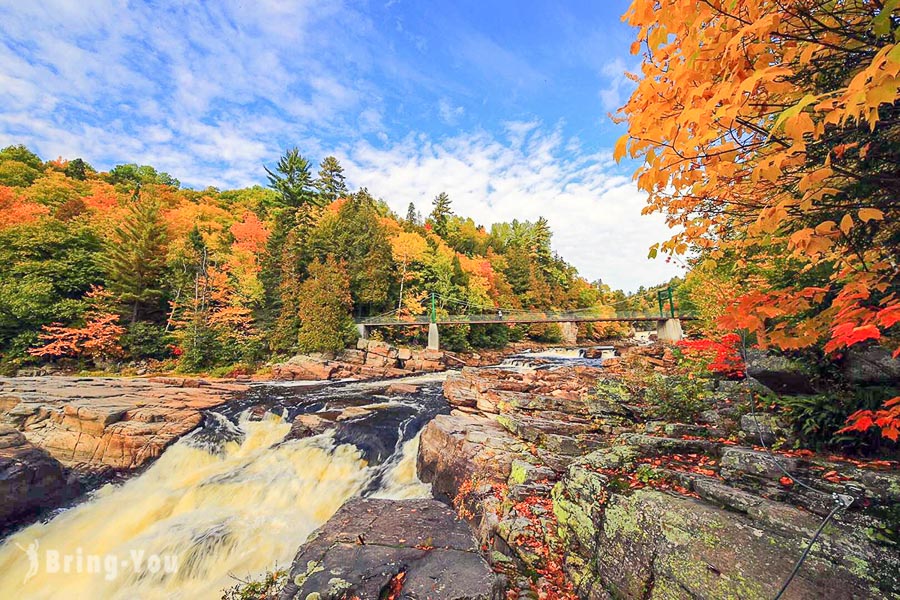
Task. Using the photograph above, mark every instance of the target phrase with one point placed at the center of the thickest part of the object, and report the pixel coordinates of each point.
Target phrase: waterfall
(209, 512)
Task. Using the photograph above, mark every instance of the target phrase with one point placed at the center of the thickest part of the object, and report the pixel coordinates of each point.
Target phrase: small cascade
(551, 357)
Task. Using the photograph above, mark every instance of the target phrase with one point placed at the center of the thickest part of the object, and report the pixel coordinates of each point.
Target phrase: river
(228, 501)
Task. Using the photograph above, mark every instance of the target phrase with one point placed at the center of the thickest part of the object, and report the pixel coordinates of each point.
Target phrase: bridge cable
(841, 501)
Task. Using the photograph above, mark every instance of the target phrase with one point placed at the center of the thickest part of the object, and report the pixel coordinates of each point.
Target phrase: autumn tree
(768, 134)
(96, 339)
(324, 308)
(407, 248)
(136, 256)
(331, 182)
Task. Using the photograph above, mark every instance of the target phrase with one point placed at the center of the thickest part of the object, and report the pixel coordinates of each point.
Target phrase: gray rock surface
(417, 548)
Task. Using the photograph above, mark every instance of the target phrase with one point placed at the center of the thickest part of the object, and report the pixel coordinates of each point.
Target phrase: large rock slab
(778, 373)
(648, 543)
(490, 390)
(111, 422)
(416, 549)
(30, 479)
(462, 450)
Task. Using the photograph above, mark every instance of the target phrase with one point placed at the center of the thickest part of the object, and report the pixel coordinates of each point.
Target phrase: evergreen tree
(324, 306)
(411, 215)
(357, 237)
(136, 256)
(331, 182)
(292, 180)
(441, 213)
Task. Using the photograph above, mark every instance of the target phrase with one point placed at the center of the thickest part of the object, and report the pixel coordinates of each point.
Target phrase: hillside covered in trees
(101, 268)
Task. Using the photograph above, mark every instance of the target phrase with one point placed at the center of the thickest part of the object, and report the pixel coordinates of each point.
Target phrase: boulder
(871, 365)
(779, 373)
(411, 548)
(651, 544)
(766, 427)
(399, 389)
(304, 368)
(456, 449)
(308, 425)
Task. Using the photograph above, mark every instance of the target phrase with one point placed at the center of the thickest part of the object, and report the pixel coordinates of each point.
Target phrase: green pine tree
(441, 213)
(324, 306)
(135, 257)
(293, 180)
(331, 182)
(412, 217)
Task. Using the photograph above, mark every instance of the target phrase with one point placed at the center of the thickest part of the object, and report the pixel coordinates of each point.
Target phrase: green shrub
(548, 333)
(495, 335)
(455, 338)
(268, 587)
(200, 349)
(816, 419)
(610, 390)
(147, 340)
(676, 397)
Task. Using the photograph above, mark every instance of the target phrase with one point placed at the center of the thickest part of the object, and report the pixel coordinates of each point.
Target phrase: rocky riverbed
(549, 480)
(575, 491)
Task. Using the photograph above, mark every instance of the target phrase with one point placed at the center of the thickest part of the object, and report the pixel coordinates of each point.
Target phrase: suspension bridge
(668, 325)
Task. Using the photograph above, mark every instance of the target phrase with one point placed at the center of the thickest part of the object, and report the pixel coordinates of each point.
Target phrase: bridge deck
(515, 320)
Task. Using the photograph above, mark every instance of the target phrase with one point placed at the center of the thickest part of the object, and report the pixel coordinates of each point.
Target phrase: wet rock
(308, 425)
(417, 546)
(399, 389)
(30, 479)
(565, 389)
(116, 422)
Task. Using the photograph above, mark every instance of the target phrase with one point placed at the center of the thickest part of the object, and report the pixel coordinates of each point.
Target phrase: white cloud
(449, 114)
(210, 91)
(613, 95)
(595, 212)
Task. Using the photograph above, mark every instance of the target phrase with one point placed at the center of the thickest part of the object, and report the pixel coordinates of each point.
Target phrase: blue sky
(501, 104)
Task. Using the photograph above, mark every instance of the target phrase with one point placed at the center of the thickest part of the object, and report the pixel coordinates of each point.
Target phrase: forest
(105, 268)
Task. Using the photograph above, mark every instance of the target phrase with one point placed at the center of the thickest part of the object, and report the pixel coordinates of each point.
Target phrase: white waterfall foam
(234, 512)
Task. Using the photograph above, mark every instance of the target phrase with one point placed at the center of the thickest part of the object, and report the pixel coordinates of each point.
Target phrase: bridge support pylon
(669, 330)
(433, 337)
(363, 331)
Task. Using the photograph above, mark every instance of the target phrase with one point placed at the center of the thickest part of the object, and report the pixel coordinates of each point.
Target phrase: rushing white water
(228, 513)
